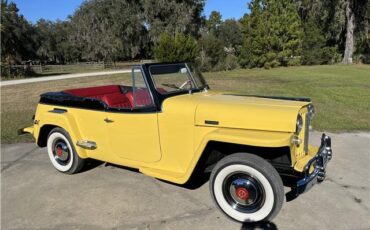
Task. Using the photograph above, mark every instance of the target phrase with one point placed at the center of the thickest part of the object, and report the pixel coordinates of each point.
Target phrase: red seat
(116, 100)
(142, 97)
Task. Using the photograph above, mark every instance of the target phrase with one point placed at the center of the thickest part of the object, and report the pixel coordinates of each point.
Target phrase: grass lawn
(340, 93)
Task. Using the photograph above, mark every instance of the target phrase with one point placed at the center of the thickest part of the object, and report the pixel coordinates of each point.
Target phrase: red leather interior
(142, 97)
(113, 97)
(110, 94)
(94, 92)
(116, 100)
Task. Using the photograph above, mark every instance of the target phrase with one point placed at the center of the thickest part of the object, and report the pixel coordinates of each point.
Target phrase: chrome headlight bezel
(311, 114)
(311, 110)
(299, 124)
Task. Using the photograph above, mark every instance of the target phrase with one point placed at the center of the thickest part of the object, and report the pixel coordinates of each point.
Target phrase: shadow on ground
(259, 225)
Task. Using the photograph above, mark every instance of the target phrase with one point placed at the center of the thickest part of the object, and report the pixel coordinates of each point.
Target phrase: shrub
(231, 62)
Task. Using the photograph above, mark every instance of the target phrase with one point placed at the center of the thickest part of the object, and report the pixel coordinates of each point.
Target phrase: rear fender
(63, 120)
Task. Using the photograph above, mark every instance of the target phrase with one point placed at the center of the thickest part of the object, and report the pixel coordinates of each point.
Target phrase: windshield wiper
(171, 86)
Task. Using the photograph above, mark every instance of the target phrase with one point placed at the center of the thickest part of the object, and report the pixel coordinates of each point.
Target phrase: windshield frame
(194, 85)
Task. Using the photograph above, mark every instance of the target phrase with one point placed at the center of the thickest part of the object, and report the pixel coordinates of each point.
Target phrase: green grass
(340, 93)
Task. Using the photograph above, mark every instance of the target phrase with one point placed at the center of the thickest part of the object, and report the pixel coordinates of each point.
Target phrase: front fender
(236, 136)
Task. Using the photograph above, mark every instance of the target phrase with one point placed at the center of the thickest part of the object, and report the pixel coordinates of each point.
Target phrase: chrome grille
(306, 132)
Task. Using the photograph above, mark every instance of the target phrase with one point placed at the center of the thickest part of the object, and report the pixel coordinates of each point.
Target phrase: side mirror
(183, 70)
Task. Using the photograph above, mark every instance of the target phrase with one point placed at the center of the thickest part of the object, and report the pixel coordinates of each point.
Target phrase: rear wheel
(61, 152)
(247, 188)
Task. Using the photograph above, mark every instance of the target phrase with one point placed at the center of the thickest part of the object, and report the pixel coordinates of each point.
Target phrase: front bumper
(318, 162)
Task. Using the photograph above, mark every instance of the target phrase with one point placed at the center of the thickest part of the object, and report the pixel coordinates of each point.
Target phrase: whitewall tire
(62, 153)
(247, 188)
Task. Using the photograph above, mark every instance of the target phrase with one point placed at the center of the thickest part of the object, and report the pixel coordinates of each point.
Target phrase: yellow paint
(133, 136)
(169, 143)
(28, 129)
(302, 162)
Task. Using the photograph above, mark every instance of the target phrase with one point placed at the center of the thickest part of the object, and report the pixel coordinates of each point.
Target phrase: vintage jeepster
(164, 120)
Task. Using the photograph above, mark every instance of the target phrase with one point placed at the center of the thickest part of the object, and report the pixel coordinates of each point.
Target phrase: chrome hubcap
(61, 152)
(243, 192)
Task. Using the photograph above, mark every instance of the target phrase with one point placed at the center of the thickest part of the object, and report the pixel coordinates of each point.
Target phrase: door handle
(107, 120)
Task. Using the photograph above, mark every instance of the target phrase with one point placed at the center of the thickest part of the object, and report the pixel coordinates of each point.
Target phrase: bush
(330, 55)
(176, 48)
(362, 54)
(231, 62)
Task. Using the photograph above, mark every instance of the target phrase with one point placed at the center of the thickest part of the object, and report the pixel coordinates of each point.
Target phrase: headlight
(311, 114)
(299, 124)
(311, 110)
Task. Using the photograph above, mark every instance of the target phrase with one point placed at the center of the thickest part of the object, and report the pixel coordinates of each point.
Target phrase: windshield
(169, 78)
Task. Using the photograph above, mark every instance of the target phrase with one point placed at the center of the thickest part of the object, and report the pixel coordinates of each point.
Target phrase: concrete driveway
(35, 196)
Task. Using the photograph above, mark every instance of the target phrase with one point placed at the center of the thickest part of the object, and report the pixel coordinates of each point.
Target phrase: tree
(357, 23)
(172, 16)
(350, 27)
(230, 33)
(362, 39)
(344, 24)
(53, 45)
(177, 48)
(273, 34)
(211, 54)
(17, 41)
(109, 30)
(213, 22)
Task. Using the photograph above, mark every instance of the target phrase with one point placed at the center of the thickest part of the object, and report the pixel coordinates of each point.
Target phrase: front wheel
(247, 188)
(61, 152)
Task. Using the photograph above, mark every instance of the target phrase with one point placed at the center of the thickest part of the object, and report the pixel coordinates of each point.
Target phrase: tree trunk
(348, 52)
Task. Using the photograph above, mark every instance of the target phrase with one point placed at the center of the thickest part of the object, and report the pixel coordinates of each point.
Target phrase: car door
(133, 135)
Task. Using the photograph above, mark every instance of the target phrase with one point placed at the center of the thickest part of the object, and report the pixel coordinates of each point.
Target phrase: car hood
(247, 112)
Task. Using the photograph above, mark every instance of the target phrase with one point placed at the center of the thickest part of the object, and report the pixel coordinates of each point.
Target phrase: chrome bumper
(319, 162)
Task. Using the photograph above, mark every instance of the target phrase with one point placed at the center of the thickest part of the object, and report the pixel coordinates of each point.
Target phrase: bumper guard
(319, 162)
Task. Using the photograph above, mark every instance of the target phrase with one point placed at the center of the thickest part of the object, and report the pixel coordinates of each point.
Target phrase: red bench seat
(110, 94)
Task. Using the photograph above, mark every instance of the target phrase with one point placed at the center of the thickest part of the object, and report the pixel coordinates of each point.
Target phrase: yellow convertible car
(165, 121)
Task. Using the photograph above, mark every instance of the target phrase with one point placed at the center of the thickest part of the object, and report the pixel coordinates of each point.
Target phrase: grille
(306, 132)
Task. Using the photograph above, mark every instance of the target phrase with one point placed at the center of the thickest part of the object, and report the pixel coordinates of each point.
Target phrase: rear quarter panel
(79, 123)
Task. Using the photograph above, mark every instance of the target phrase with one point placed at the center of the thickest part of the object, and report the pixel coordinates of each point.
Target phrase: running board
(86, 144)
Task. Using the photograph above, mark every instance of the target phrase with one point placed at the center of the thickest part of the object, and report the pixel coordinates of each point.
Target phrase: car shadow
(197, 179)
(91, 164)
(107, 164)
(291, 183)
(265, 225)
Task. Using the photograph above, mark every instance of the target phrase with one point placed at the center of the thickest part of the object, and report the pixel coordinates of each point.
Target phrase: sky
(33, 10)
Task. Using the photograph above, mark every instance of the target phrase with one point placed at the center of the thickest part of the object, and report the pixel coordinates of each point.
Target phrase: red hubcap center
(242, 193)
(59, 151)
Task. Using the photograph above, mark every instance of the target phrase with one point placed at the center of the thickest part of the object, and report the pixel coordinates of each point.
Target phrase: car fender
(63, 120)
(238, 136)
